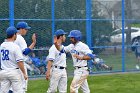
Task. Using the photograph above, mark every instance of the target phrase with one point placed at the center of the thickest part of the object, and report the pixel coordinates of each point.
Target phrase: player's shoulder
(82, 44)
(2, 43)
(15, 45)
(70, 45)
(20, 40)
(11, 44)
(19, 37)
(52, 47)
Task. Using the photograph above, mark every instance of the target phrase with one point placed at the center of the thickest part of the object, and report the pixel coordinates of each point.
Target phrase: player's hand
(34, 38)
(25, 77)
(78, 57)
(48, 75)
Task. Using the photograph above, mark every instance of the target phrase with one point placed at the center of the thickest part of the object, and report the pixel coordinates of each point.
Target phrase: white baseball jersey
(59, 59)
(10, 55)
(0, 57)
(20, 41)
(58, 77)
(80, 49)
(80, 74)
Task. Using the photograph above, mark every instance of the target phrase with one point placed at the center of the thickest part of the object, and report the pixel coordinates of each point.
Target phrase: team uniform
(20, 41)
(136, 48)
(81, 70)
(23, 47)
(136, 44)
(58, 73)
(10, 73)
(99, 64)
(0, 69)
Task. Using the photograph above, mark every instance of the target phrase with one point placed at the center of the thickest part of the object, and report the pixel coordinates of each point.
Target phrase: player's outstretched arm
(26, 51)
(81, 57)
(21, 66)
(85, 57)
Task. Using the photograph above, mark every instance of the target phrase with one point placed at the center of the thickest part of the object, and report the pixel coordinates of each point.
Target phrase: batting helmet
(75, 34)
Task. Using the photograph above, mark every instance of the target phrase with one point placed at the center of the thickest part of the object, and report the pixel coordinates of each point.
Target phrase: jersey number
(5, 54)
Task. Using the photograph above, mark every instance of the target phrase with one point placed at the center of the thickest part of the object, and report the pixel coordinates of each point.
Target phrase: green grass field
(114, 83)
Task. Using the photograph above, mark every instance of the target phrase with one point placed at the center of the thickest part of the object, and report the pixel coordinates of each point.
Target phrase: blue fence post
(88, 22)
(53, 17)
(11, 12)
(123, 45)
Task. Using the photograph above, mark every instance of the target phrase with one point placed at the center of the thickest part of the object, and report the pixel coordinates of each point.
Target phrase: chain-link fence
(100, 21)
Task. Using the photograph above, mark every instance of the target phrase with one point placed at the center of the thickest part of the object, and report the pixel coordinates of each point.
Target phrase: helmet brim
(28, 28)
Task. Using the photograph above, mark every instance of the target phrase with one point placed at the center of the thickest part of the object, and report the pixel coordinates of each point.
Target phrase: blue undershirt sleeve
(26, 51)
(91, 56)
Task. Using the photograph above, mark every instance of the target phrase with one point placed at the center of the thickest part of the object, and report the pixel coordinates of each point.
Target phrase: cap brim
(70, 35)
(17, 30)
(65, 33)
(28, 28)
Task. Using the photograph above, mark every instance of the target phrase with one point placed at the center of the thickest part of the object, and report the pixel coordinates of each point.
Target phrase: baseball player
(56, 68)
(22, 28)
(136, 46)
(80, 54)
(0, 68)
(12, 67)
(99, 63)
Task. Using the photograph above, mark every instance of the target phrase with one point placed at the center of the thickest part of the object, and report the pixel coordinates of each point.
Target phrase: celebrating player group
(13, 52)
(13, 69)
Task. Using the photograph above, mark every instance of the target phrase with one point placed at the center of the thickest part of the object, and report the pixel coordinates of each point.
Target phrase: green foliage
(4, 11)
(3, 24)
(64, 9)
(135, 25)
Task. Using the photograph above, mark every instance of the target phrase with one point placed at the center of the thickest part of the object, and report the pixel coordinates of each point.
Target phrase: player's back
(9, 57)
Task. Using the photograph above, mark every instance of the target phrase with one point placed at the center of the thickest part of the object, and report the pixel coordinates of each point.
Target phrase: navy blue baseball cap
(11, 30)
(60, 32)
(23, 25)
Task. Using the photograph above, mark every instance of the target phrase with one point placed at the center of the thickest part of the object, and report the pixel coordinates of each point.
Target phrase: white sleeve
(85, 50)
(51, 55)
(18, 54)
